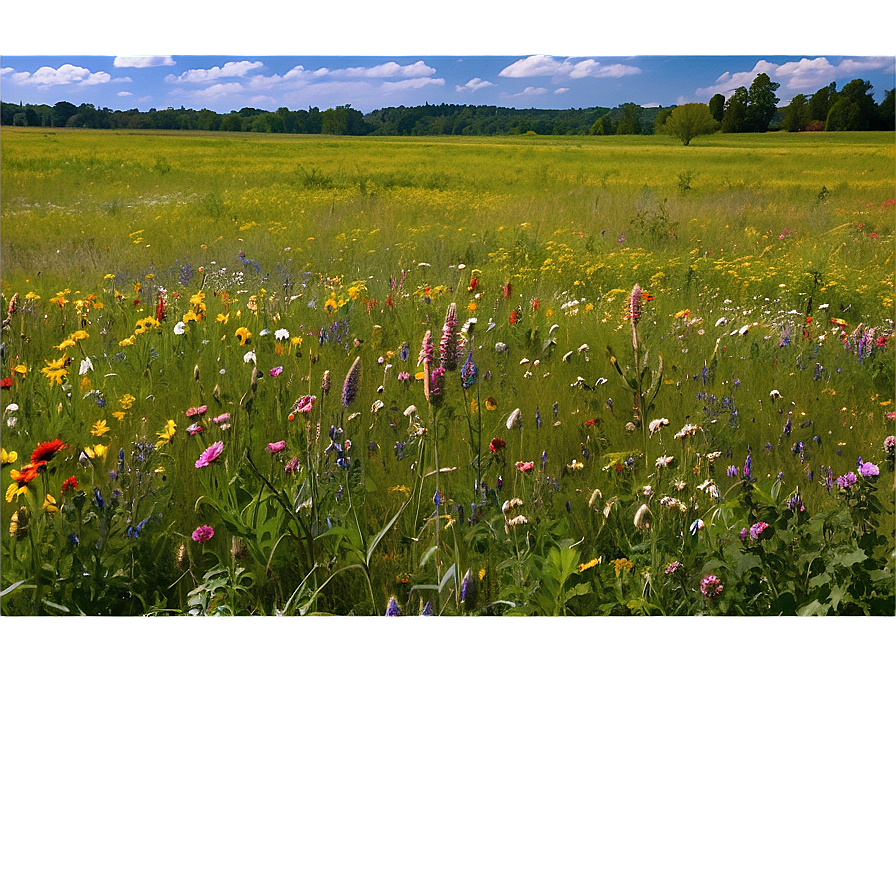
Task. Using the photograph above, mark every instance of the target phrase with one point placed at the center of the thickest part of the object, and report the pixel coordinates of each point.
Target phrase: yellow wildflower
(50, 505)
(66, 343)
(243, 334)
(129, 341)
(78, 335)
(223, 318)
(591, 563)
(14, 491)
(166, 433)
(622, 565)
(97, 452)
(99, 429)
(119, 415)
(8, 457)
(55, 370)
(330, 305)
(126, 401)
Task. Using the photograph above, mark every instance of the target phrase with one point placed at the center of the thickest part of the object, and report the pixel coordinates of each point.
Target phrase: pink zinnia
(304, 404)
(275, 447)
(203, 533)
(197, 412)
(211, 454)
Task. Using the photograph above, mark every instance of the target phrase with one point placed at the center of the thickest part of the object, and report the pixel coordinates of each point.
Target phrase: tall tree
(821, 101)
(762, 103)
(796, 115)
(689, 121)
(717, 107)
(854, 110)
(734, 121)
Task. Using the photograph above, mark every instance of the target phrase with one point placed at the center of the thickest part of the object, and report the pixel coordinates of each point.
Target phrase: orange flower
(26, 474)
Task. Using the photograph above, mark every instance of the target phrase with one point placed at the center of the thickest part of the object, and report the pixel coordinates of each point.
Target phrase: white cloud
(142, 61)
(548, 66)
(532, 91)
(215, 73)
(124, 93)
(411, 84)
(388, 70)
(803, 76)
(65, 76)
(473, 85)
(562, 90)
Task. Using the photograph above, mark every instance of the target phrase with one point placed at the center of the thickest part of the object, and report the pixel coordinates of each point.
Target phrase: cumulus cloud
(142, 61)
(549, 67)
(124, 93)
(803, 76)
(215, 73)
(65, 76)
(473, 85)
(388, 70)
(411, 84)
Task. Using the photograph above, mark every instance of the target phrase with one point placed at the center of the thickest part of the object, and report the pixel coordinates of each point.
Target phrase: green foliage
(689, 121)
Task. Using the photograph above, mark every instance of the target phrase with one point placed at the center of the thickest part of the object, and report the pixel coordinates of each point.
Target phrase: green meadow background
(318, 756)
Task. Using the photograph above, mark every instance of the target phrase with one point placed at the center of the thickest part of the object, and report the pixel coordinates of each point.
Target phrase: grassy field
(766, 263)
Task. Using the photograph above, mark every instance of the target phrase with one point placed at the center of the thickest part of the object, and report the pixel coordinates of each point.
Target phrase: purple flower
(203, 533)
(733, 470)
(210, 455)
(426, 349)
(448, 345)
(427, 610)
(292, 465)
(469, 373)
(869, 470)
(275, 371)
(352, 381)
(672, 568)
(469, 588)
(275, 447)
(393, 609)
(711, 586)
(847, 480)
(757, 530)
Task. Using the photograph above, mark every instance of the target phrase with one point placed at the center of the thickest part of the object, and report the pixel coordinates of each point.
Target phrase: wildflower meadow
(285, 375)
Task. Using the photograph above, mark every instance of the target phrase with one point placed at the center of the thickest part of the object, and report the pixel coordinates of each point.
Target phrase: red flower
(69, 485)
(6, 382)
(525, 466)
(160, 308)
(496, 445)
(535, 304)
(881, 342)
(507, 290)
(46, 451)
(27, 473)
(590, 422)
(514, 316)
(196, 412)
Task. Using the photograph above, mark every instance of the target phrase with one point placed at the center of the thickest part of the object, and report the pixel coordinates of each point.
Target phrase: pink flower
(221, 419)
(195, 429)
(304, 404)
(210, 455)
(203, 533)
(275, 371)
(275, 447)
(197, 412)
(525, 466)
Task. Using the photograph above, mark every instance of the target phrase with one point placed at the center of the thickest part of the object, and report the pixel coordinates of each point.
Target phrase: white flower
(11, 408)
(583, 347)
(376, 406)
(86, 365)
(656, 425)
(281, 335)
(743, 330)
(525, 361)
(774, 395)
(515, 420)
(180, 328)
(410, 410)
(721, 321)
(642, 517)
(663, 462)
(249, 357)
(686, 430)
(518, 521)
(510, 505)
(500, 347)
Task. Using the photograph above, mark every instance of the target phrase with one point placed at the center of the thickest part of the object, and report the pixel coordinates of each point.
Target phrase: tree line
(748, 110)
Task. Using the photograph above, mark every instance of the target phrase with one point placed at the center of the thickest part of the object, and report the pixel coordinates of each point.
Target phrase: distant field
(288, 374)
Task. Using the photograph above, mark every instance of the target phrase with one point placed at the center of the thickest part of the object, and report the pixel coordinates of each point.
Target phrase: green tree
(734, 121)
(886, 115)
(821, 101)
(689, 121)
(233, 121)
(854, 109)
(762, 103)
(796, 115)
(630, 120)
(717, 107)
(62, 112)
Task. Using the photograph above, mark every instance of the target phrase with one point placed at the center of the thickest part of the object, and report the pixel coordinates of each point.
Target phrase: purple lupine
(469, 372)
(469, 588)
(748, 466)
(436, 381)
(426, 350)
(427, 610)
(634, 304)
(352, 381)
(392, 609)
(448, 344)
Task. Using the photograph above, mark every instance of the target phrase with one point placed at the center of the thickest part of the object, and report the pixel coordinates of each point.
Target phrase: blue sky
(527, 54)
(540, 80)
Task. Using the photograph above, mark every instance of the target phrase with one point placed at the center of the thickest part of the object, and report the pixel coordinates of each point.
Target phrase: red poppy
(6, 382)
(496, 445)
(590, 422)
(514, 316)
(46, 451)
(507, 290)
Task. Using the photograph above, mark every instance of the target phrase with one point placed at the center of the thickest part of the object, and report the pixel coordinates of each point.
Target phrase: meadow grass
(751, 247)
